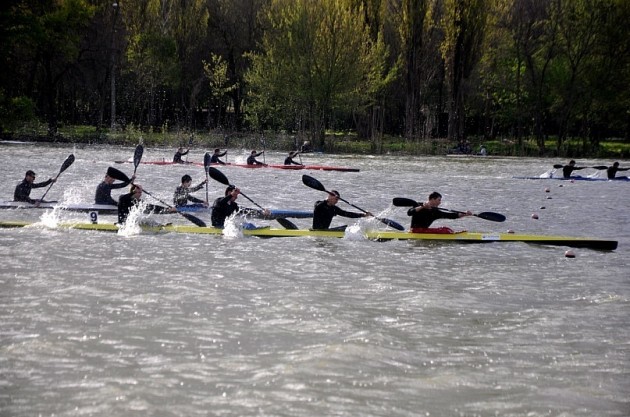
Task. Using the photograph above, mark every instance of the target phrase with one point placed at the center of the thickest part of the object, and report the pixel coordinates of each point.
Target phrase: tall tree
(317, 58)
(464, 27)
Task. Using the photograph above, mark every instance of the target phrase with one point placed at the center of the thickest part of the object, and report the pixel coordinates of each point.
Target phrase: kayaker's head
(616, 164)
(572, 162)
(217, 150)
(333, 197)
(29, 176)
(136, 190)
(186, 180)
(253, 153)
(435, 199)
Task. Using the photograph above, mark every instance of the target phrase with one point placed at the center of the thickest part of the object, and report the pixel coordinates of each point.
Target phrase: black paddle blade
(206, 160)
(600, 167)
(313, 183)
(117, 174)
(391, 223)
(137, 155)
(493, 217)
(193, 219)
(69, 160)
(218, 176)
(558, 166)
(404, 202)
(287, 224)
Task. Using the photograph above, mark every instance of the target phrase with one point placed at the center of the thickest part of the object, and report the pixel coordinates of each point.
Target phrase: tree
(464, 27)
(317, 58)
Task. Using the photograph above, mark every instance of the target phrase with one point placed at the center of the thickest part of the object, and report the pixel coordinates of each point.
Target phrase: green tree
(317, 59)
(464, 25)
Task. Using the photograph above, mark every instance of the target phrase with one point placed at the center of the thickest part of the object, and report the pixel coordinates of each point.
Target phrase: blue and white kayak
(109, 209)
(622, 179)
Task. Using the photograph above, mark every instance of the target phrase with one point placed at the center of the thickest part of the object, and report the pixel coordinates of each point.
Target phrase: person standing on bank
(251, 159)
(325, 210)
(128, 201)
(177, 158)
(104, 189)
(182, 193)
(23, 190)
(426, 213)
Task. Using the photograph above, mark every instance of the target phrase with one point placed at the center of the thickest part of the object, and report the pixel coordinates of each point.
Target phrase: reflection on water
(172, 324)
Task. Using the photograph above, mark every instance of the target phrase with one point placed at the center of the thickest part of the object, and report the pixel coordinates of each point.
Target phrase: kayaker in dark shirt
(215, 157)
(251, 159)
(224, 206)
(423, 215)
(568, 169)
(132, 199)
(182, 193)
(327, 209)
(289, 159)
(23, 190)
(612, 171)
(104, 189)
(177, 158)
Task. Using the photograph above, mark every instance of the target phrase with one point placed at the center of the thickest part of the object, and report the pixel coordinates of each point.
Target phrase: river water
(96, 324)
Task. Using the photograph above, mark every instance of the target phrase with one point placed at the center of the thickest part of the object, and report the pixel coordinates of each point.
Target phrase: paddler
(289, 159)
(132, 199)
(426, 213)
(567, 170)
(182, 193)
(251, 159)
(225, 206)
(611, 172)
(177, 158)
(214, 159)
(104, 189)
(23, 190)
(325, 210)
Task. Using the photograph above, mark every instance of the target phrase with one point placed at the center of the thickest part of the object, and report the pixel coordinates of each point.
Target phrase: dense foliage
(417, 69)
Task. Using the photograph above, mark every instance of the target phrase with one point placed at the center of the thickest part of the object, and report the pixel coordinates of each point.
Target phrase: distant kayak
(275, 166)
(573, 178)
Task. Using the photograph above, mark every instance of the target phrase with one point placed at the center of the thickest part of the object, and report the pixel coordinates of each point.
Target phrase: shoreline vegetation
(337, 142)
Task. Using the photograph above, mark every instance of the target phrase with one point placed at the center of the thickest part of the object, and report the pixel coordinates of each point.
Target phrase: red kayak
(276, 166)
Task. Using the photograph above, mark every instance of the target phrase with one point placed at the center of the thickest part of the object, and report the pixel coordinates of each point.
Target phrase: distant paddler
(289, 159)
(23, 190)
(177, 158)
(611, 172)
(216, 155)
(568, 169)
(104, 189)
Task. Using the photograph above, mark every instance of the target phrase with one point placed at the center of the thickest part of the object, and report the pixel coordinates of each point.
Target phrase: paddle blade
(137, 156)
(493, 217)
(206, 160)
(69, 160)
(312, 182)
(558, 166)
(600, 167)
(117, 174)
(287, 224)
(392, 223)
(193, 219)
(404, 202)
(218, 176)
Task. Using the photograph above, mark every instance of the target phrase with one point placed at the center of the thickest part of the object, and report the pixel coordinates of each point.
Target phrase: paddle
(220, 177)
(315, 184)
(188, 216)
(263, 141)
(121, 176)
(206, 164)
(600, 167)
(137, 157)
(486, 215)
(69, 160)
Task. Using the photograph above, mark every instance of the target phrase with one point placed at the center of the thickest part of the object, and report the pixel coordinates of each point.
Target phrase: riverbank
(340, 143)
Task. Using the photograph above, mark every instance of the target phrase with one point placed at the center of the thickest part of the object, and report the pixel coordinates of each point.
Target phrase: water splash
(131, 227)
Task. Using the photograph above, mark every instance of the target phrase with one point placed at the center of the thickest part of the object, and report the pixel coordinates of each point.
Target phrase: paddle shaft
(486, 215)
(197, 221)
(69, 160)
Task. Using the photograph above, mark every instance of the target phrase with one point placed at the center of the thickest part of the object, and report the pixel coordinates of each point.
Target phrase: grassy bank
(334, 142)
